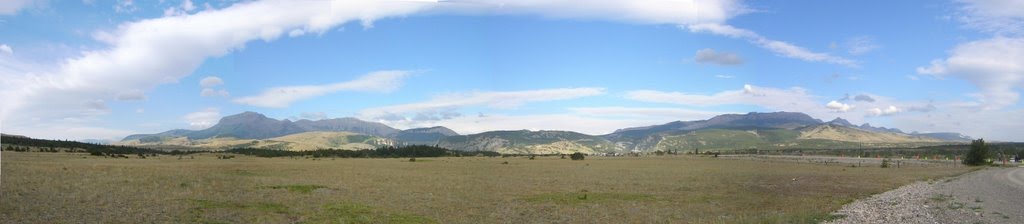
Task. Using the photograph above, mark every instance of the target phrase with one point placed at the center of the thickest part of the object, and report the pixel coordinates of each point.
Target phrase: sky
(96, 69)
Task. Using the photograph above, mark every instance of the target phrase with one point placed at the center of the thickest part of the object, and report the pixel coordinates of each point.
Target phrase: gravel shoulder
(992, 195)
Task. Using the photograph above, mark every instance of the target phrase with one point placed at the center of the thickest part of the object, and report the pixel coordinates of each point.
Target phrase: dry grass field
(77, 188)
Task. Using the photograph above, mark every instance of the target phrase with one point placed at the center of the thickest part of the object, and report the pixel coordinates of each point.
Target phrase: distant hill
(529, 142)
(252, 125)
(295, 142)
(423, 136)
(945, 136)
(775, 130)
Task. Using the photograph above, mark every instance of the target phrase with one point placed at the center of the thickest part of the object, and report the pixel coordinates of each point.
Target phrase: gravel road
(993, 195)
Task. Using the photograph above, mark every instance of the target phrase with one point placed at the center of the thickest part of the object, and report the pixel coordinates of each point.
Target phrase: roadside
(991, 195)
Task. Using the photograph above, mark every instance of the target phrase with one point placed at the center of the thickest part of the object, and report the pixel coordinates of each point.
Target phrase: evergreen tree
(978, 154)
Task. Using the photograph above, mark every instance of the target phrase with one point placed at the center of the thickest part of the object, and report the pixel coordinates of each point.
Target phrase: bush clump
(576, 156)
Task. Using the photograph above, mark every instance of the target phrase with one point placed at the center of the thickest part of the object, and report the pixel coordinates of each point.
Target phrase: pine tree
(978, 154)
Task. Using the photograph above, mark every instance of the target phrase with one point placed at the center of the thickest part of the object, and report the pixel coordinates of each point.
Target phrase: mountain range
(775, 130)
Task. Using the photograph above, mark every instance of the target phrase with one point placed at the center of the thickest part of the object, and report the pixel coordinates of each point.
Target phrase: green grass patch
(941, 198)
(586, 197)
(305, 189)
(955, 205)
(261, 207)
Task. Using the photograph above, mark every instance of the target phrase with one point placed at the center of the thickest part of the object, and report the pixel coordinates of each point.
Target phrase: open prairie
(73, 187)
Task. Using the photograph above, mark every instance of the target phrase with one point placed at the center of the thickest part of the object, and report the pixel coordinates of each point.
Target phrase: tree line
(382, 152)
(44, 145)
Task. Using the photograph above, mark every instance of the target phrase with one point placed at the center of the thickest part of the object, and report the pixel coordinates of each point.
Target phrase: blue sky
(105, 69)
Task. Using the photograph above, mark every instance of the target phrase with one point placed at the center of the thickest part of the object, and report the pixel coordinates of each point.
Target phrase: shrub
(577, 156)
(885, 163)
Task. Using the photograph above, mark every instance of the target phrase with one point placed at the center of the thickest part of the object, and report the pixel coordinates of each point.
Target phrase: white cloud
(968, 121)
(6, 49)
(132, 94)
(710, 56)
(183, 42)
(206, 92)
(655, 112)
(771, 98)
(993, 65)
(280, 97)
(861, 45)
(211, 81)
(202, 119)
(778, 47)
(187, 5)
(1001, 17)
(11, 7)
(891, 110)
(836, 106)
(441, 105)
(208, 83)
(724, 76)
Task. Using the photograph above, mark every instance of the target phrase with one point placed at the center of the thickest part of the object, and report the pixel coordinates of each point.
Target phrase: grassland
(72, 188)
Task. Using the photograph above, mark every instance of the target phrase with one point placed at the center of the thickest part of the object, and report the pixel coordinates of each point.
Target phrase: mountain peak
(841, 122)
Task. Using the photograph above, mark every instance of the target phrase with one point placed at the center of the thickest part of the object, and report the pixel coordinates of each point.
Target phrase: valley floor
(72, 188)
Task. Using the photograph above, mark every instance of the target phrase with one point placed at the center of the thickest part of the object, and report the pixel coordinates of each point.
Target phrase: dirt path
(994, 195)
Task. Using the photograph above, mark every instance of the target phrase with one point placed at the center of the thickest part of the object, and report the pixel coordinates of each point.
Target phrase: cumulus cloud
(202, 119)
(208, 83)
(778, 47)
(6, 49)
(439, 106)
(211, 81)
(836, 106)
(993, 65)
(710, 56)
(280, 97)
(891, 110)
